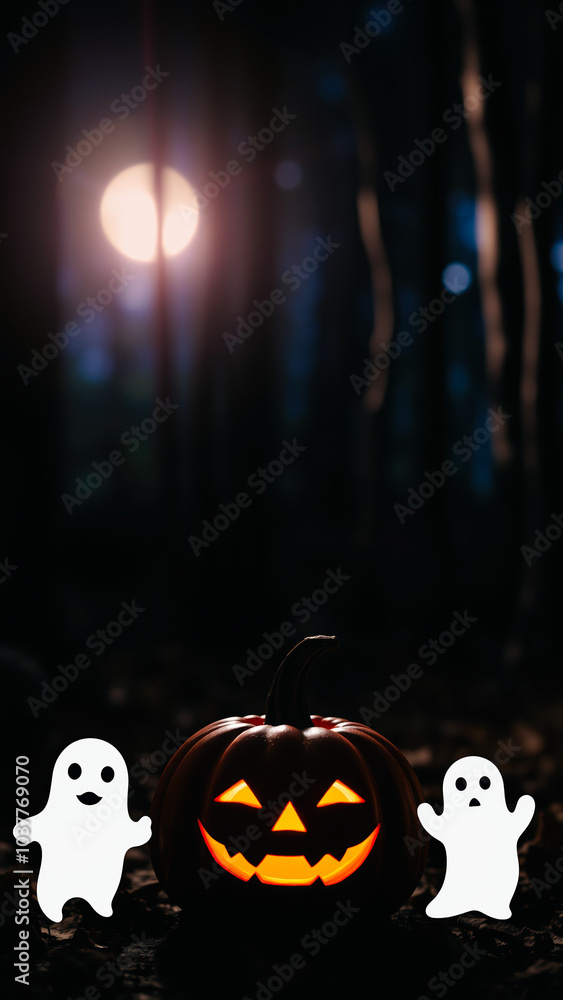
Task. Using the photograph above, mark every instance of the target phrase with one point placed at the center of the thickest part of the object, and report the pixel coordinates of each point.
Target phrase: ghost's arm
(523, 813)
(29, 829)
(139, 832)
(430, 820)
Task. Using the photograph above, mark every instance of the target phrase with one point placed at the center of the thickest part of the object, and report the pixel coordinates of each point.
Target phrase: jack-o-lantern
(289, 800)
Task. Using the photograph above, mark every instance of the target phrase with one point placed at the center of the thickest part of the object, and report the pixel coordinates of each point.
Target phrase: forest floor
(151, 949)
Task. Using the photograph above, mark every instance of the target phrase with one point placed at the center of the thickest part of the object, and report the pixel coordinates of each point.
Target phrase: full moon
(129, 218)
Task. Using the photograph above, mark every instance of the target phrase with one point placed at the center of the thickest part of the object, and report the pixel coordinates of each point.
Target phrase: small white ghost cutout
(85, 829)
(480, 836)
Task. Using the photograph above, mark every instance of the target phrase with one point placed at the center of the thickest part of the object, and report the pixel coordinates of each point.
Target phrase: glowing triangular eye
(241, 794)
(339, 792)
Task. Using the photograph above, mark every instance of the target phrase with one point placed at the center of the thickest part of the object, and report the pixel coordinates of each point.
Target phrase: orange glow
(129, 218)
(241, 794)
(280, 869)
(289, 820)
(339, 792)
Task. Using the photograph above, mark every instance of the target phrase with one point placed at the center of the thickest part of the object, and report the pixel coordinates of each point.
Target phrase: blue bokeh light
(95, 364)
(556, 256)
(463, 209)
(457, 278)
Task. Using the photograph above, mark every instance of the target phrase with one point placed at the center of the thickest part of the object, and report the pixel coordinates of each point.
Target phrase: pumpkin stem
(286, 704)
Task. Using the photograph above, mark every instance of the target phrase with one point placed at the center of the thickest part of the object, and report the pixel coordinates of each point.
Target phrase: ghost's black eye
(485, 782)
(461, 784)
(74, 771)
(108, 774)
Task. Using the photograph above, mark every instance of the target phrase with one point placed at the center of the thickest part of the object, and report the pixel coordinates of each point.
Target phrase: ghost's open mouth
(278, 869)
(474, 802)
(89, 798)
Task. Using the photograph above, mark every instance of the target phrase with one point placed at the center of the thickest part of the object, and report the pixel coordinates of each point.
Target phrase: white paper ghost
(85, 828)
(480, 837)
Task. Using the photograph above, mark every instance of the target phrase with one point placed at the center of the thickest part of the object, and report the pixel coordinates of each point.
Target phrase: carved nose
(289, 820)
(474, 802)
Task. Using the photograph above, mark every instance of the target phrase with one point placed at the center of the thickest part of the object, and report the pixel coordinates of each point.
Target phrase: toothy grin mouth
(292, 869)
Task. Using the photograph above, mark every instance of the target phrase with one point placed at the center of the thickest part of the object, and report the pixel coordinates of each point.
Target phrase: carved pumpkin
(289, 800)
